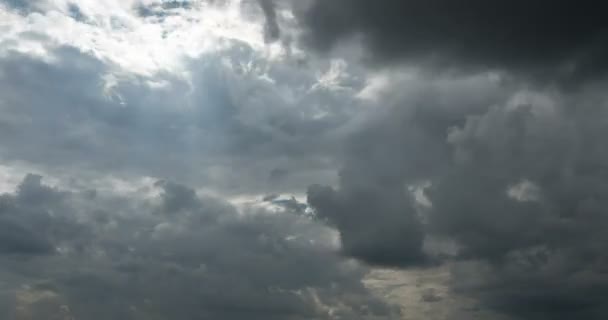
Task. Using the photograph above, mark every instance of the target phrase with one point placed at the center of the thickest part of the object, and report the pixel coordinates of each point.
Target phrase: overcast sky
(303, 159)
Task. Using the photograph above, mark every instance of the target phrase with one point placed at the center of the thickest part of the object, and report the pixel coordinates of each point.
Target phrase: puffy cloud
(399, 148)
(510, 178)
(33, 221)
(515, 180)
(177, 255)
(376, 224)
(545, 249)
(509, 174)
(236, 119)
(501, 180)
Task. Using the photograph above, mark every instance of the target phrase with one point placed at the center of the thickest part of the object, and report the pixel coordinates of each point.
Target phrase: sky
(303, 159)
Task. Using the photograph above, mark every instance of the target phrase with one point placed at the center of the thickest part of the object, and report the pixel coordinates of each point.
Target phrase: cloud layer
(516, 183)
(540, 38)
(175, 254)
(201, 160)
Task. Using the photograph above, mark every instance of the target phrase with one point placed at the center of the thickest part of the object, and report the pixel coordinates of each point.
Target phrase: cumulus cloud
(400, 147)
(232, 122)
(376, 224)
(177, 254)
(550, 142)
(515, 180)
(181, 140)
(512, 178)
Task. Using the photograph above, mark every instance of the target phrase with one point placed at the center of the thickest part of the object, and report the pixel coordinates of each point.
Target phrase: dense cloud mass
(527, 195)
(398, 150)
(376, 225)
(518, 186)
(514, 178)
(174, 255)
(202, 160)
(563, 39)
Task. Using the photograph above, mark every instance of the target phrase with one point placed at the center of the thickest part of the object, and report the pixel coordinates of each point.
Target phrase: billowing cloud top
(303, 160)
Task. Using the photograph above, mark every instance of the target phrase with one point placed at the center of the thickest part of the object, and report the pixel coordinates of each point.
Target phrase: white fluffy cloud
(139, 36)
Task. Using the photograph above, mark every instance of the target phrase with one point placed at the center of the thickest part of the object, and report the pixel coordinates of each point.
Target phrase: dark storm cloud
(539, 285)
(16, 239)
(32, 221)
(377, 225)
(272, 31)
(200, 258)
(513, 180)
(516, 179)
(177, 197)
(399, 146)
(562, 39)
(543, 245)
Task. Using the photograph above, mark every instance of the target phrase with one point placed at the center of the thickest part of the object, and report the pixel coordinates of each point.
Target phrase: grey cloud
(177, 197)
(204, 259)
(23, 6)
(33, 220)
(291, 205)
(16, 239)
(277, 174)
(397, 147)
(377, 224)
(544, 255)
(431, 295)
(537, 284)
(76, 13)
(555, 40)
(161, 9)
(174, 4)
(227, 128)
(273, 32)
(514, 178)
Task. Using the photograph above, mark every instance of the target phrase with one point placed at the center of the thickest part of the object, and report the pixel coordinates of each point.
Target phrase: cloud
(541, 250)
(231, 126)
(512, 179)
(32, 220)
(16, 239)
(554, 41)
(179, 255)
(272, 30)
(500, 180)
(512, 176)
(398, 147)
(376, 225)
(20, 5)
